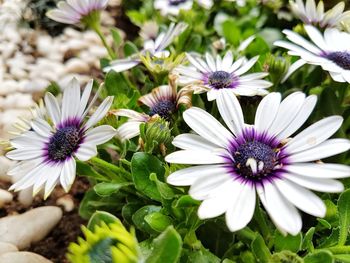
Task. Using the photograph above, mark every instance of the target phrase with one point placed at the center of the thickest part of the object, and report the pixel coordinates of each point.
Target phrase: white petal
(189, 141)
(326, 149)
(41, 127)
(68, 174)
(267, 111)
(241, 209)
(85, 97)
(231, 111)
(121, 65)
(100, 112)
(189, 175)
(315, 134)
(100, 134)
(227, 60)
(129, 130)
(302, 198)
(316, 36)
(24, 154)
(86, 151)
(71, 100)
(210, 62)
(287, 111)
(53, 108)
(209, 185)
(317, 184)
(247, 66)
(214, 206)
(300, 118)
(319, 170)
(207, 126)
(283, 213)
(294, 67)
(52, 180)
(194, 157)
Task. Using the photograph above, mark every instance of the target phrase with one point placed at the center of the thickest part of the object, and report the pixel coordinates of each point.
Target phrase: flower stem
(260, 219)
(111, 167)
(338, 249)
(97, 28)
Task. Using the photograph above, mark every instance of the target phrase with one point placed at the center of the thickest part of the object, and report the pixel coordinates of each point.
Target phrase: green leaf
(344, 258)
(344, 216)
(289, 242)
(330, 102)
(203, 256)
(245, 257)
(231, 32)
(139, 218)
(164, 189)
(129, 49)
(142, 165)
(321, 256)
(158, 221)
(106, 189)
(260, 250)
(186, 201)
(307, 242)
(116, 37)
(166, 247)
(324, 223)
(84, 169)
(101, 216)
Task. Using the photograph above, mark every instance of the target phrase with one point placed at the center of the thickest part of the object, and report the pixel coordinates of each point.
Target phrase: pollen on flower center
(254, 160)
(163, 108)
(176, 2)
(220, 80)
(63, 143)
(342, 59)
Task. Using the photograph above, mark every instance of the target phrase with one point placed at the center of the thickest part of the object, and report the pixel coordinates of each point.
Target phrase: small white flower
(46, 152)
(73, 11)
(173, 7)
(236, 165)
(331, 51)
(214, 75)
(309, 13)
(162, 102)
(155, 48)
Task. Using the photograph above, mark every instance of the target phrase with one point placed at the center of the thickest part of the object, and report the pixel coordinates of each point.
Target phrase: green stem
(337, 249)
(96, 27)
(106, 165)
(247, 233)
(260, 219)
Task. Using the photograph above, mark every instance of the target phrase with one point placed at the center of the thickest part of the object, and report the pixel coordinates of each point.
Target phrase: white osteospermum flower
(235, 165)
(331, 51)
(214, 75)
(173, 7)
(309, 13)
(155, 48)
(74, 11)
(162, 102)
(48, 149)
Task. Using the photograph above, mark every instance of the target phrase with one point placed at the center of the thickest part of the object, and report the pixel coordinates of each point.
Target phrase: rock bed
(29, 61)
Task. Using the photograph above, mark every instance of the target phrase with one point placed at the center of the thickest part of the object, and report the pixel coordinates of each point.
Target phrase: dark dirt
(54, 246)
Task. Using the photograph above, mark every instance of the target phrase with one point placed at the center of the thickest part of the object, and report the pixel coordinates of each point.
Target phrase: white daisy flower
(75, 11)
(162, 102)
(331, 51)
(214, 75)
(155, 48)
(173, 7)
(309, 13)
(236, 165)
(47, 152)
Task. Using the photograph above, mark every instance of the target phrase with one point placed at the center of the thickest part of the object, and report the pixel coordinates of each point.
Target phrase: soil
(54, 246)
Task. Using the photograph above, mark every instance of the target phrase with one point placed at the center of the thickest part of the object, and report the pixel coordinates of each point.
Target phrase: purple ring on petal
(255, 158)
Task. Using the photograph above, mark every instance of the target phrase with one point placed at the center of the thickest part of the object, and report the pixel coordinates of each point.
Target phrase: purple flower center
(164, 109)
(221, 80)
(176, 2)
(254, 160)
(342, 59)
(64, 143)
